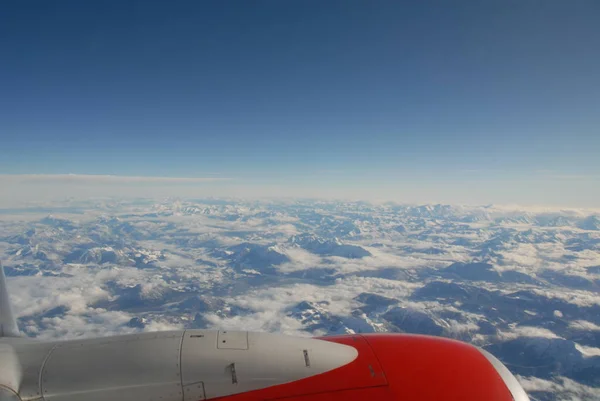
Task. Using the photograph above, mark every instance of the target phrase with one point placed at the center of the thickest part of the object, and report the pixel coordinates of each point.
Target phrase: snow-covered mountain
(328, 246)
(525, 284)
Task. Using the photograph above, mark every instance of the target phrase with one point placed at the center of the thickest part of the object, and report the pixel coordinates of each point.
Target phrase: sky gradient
(472, 101)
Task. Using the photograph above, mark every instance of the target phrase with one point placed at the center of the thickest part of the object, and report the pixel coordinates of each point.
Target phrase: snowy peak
(590, 223)
(253, 256)
(328, 247)
(315, 317)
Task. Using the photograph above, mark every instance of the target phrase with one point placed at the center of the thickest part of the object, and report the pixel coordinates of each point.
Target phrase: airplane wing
(8, 323)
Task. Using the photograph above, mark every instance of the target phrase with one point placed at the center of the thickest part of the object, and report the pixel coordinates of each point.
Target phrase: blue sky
(456, 101)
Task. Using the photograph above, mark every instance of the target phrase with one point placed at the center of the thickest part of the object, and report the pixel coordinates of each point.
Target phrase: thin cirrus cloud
(103, 179)
(21, 189)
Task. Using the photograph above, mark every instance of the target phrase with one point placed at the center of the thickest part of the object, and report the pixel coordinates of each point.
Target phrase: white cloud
(93, 322)
(588, 351)
(270, 305)
(521, 255)
(266, 321)
(576, 297)
(300, 259)
(456, 328)
(527, 331)
(562, 388)
(34, 295)
(584, 325)
(155, 325)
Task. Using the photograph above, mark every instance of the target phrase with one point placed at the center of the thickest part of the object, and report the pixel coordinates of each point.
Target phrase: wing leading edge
(8, 323)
